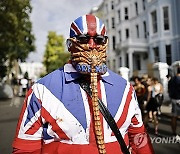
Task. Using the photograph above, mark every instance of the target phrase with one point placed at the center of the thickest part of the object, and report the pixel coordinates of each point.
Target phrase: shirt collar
(71, 74)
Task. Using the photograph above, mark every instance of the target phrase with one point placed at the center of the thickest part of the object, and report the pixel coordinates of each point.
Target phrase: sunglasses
(98, 39)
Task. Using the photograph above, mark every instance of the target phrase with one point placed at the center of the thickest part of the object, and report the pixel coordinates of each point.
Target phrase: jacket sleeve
(19, 151)
(28, 137)
(139, 139)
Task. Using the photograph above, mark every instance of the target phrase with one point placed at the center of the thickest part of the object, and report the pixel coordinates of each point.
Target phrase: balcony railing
(133, 42)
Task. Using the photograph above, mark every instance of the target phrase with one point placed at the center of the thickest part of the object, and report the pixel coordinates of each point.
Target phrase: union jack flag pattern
(83, 25)
(57, 116)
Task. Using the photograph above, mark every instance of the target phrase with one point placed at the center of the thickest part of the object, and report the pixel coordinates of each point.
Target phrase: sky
(55, 15)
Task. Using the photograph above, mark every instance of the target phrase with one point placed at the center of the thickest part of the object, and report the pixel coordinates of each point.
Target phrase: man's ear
(69, 44)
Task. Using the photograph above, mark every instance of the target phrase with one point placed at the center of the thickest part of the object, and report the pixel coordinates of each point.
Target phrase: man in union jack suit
(59, 117)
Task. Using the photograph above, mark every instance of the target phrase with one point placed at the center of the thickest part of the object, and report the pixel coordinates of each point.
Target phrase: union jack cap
(87, 24)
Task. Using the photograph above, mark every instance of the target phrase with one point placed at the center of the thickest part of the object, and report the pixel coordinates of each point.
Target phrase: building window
(114, 64)
(126, 17)
(127, 60)
(136, 7)
(137, 31)
(120, 62)
(137, 61)
(168, 54)
(112, 5)
(144, 5)
(113, 23)
(127, 33)
(145, 29)
(106, 8)
(154, 21)
(114, 42)
(156, 54)
(119, 15)
(166, 18)
(120, 36)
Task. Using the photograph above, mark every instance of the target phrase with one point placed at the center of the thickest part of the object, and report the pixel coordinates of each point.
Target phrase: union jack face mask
(88, 44)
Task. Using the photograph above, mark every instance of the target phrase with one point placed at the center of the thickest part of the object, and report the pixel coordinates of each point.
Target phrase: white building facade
(34, 69)
(141, 33)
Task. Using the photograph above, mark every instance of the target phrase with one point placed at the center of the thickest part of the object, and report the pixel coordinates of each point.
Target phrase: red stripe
(22, 111)
(74, 27)
(92, 139)
(35, 127)
(135, 130)
(91, 25)
(126, 139)
(125, 109)
(28, 145)
(46, 115)
(103, 30)
(63, 148)
(134, 121)
(99, 90)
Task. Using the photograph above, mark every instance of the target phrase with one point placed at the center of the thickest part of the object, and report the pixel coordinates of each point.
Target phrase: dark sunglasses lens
(83, 39)
(100, 39)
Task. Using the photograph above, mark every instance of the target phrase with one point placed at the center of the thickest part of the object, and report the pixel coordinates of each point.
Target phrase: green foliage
(55, 55)
(16, 38)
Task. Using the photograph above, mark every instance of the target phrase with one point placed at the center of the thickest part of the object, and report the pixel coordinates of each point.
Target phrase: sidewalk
(166, 110)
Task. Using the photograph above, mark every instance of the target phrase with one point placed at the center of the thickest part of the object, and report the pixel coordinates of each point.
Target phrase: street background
(10, 110)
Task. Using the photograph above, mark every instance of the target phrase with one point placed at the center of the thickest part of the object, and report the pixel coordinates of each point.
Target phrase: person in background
(144, 81)
(140, 91)
(14, 83)
(154, 89)
(59, 117)
(174, 94)
(24, 86)
(148, 114)
(158, 87)
(30, 83)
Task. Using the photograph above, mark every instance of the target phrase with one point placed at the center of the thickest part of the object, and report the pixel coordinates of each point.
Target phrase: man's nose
(91, 43)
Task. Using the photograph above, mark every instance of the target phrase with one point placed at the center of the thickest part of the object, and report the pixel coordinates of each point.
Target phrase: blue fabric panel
(32, 108)
(68, 92)
(114, 91)
(45, 134)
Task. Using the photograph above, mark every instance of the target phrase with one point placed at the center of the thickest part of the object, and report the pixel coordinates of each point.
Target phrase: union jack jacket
(56, 116)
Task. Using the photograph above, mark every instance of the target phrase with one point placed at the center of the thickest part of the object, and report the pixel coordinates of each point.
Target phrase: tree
(16, 38)
(55, 55)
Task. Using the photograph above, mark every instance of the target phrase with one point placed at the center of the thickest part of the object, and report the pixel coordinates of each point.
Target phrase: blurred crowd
(149, 92)
(21, 86)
